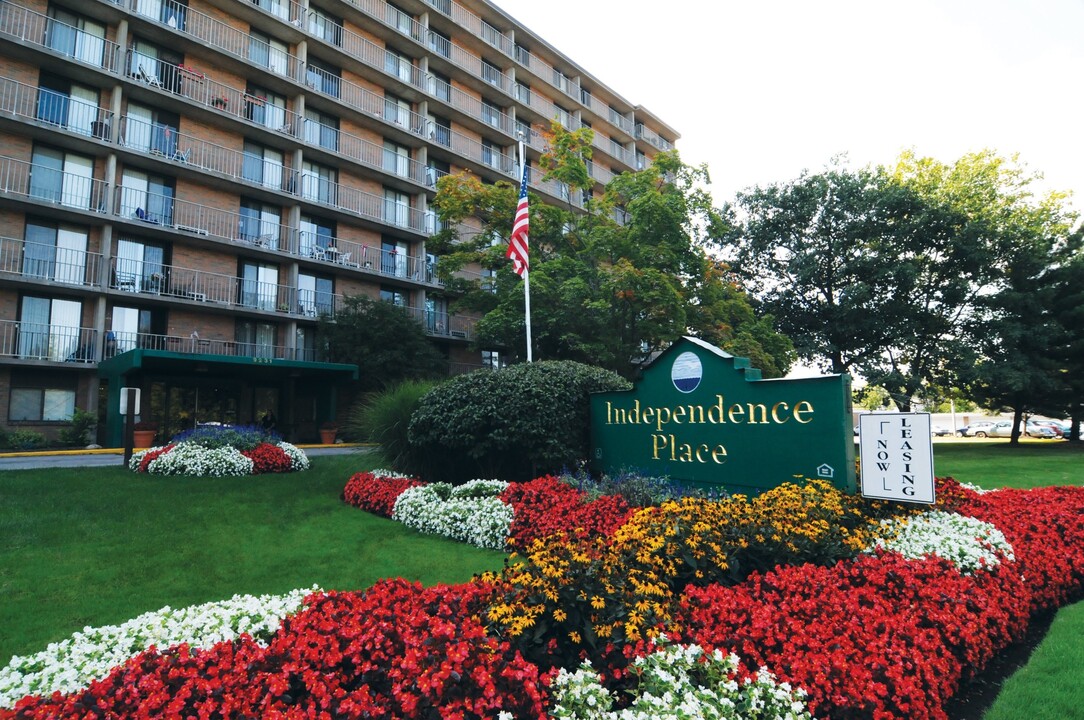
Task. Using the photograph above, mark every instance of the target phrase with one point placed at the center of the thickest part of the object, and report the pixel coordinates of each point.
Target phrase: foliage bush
(384, 418)
(516, 423)
(82, 422)
(25, 440)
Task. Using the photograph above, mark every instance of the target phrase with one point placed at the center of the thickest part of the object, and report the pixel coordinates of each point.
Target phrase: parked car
(1003, 429)
(974, 429)
(1059, 431)
(939, 431)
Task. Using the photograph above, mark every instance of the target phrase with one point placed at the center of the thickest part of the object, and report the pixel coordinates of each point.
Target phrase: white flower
(471, 513)
(970, 544)
(90, 654)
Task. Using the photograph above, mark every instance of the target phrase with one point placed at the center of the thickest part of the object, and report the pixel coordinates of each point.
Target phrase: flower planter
(327, 437)
(143, 438)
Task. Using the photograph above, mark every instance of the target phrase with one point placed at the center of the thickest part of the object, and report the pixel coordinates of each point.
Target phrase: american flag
(517, 243)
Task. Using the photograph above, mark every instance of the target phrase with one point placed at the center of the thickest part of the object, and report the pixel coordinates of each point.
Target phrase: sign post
(896, 455)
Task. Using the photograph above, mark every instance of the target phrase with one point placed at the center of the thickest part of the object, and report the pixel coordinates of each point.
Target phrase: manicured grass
(995, 464)
(98, 546)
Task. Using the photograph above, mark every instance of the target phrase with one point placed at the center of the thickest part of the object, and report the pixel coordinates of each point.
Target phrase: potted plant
(143, 433)
(219, 101)
(327, 433)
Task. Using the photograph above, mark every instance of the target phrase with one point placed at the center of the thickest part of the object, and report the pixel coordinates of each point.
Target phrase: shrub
(82, 423)
(384, 418)
(516, 423)
(25, 440)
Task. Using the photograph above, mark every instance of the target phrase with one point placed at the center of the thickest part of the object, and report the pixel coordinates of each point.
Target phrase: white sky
(762, 89)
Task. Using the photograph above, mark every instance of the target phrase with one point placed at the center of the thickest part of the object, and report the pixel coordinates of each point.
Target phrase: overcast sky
(762, 89)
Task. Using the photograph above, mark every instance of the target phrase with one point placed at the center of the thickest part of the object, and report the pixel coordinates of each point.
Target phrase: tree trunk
(1017, 416)
(1074, 423)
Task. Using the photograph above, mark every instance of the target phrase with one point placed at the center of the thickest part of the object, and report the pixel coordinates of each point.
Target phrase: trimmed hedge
(516, 423)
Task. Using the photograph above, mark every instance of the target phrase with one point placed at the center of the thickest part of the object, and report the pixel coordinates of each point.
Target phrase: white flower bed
(187, 458)
(70, 665)
(680, 682)
(298, 459)
(970, 544)
(471, 513)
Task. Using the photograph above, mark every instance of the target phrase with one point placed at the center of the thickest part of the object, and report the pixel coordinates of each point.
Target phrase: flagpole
(527, 272)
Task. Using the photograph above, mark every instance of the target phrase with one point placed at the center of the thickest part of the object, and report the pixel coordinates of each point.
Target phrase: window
(395, 296)
(147, 197)
(523, 130)
(617, 149)
(435, 170)
(305, 343)
(436, 315)
(563, 117)
(323, 77)
(37, 397)
(69, 106)
(396, 159)
(266, 108)
(491, 114)
(269, 52)
(134, 327)
(491, 154)
(492, 359)
(49, 329)
(397, 110)
(315, 233)
(259, 285)
(444, 6)
(141, 266)
(400, 19)
(491, 34)
(321, 129)
(523, 93)
(439, 86)
(396, 208)
(522, 55)
(326, 26)
(440, 43)
(492, 74)
(318, 182)
(279, 8)
(641, 160)
(260, 224)
(62, 177)
(393, 257)
(75, 36)
(617, 118)
(440, 130)
(262, 165)
(149, 130)
(315, 295)
(55, 252)
(256, 339)
(399, 65)
(168, 12)
(155, 66)
(585, 96)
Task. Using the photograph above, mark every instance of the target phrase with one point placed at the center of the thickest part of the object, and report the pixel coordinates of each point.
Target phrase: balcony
(648, 135)
(121, 342)
(50, 343)
(26, 180)
(27, 27)
(473, 24)
(53, 109)
(49, 263)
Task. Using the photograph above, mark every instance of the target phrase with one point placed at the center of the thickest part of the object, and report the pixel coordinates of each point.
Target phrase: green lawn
(98, 546)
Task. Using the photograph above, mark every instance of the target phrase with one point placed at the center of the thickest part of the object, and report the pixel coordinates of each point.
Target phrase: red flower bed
(395, 651)
(546, 506)
(376, 494)
(877, 637)
(268, 458)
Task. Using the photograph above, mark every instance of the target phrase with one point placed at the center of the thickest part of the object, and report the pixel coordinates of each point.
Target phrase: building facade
(186, 187)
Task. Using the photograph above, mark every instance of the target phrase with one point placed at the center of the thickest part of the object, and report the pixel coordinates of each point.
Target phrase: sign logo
(687, 372)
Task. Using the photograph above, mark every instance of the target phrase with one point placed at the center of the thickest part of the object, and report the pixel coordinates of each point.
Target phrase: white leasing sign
(896, 457)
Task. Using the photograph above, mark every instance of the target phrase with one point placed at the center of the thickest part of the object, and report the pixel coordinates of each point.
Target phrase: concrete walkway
(115, 456)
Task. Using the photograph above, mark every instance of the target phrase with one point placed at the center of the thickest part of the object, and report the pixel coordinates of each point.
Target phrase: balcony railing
(31, 28)
(50, 263)
(53, 108)
(120, 342)
(288, 11)
(648, 135)
(40, 182)
(473, 24)
(42, 341)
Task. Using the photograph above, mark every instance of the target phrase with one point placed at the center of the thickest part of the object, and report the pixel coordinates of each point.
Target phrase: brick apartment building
(186, 187)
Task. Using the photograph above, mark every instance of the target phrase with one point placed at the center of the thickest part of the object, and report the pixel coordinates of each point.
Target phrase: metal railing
(648, 135)
(202, 286)
(32, 28)
(120, 342)
(43, 341)
(46, 184)
(50, 263)
(53, 108)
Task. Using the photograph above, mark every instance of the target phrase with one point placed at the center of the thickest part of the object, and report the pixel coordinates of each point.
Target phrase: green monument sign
(704, 417)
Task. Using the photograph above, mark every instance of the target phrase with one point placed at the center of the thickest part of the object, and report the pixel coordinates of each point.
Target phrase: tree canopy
(610, 284)
(890, 272)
